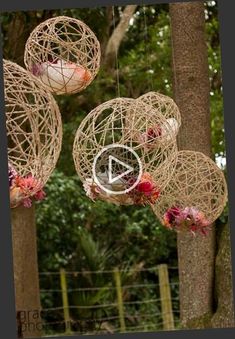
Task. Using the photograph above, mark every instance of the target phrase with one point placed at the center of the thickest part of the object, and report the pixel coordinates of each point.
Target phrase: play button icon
(123, 174)
(117, 169)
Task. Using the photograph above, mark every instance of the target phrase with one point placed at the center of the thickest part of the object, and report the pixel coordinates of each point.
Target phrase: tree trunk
(199, 265)
(117, 36)
(107, 30)
(18, 32)
(27, 292)
(224, 315)
(191, 90)
(27, 296)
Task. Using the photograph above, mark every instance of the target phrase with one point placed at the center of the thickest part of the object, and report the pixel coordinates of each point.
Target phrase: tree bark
(206, 294)
(24, 237)
(27, 296)
(224, 314)
(117, 36)
(191, 90)
(107, 30)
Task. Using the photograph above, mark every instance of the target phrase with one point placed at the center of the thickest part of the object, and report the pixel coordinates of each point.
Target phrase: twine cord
(116, 58)
(147, 50)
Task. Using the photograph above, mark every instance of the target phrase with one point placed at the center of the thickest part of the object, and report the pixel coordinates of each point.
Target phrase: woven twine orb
(166, 106)
(126, 122)
(64, 54)
(195, 196)
(34, 132)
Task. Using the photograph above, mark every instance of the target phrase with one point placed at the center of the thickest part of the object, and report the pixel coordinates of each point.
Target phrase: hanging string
(116, 57)
(147, 50)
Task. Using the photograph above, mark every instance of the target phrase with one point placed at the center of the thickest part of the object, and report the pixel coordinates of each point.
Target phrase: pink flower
(171, 215)
(146, 191)
(28, 184)
(27, 202)
(40, 195)
(12, 174)
(37, 69)
(25, 188)
(145, 187)
(154, 132)
(150, 137)
(189, 218)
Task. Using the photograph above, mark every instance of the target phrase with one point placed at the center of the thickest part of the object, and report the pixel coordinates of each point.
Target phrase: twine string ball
(64, 54)
(166, 106)
(195, 196)
(119, 121)
(34, 132)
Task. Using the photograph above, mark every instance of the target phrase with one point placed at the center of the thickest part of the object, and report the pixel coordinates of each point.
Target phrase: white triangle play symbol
(117, 177)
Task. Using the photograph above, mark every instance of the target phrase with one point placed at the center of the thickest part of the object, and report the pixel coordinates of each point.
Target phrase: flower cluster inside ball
(23, 190)
(34, 132)
(145, 192)
(194, 197)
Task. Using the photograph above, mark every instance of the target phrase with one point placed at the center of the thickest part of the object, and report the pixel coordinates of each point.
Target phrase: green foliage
(215, 74)
(67, 212)
(145, 57)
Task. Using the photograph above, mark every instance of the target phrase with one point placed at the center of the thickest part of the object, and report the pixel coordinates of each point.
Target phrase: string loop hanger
(116, 58)
(147, 51)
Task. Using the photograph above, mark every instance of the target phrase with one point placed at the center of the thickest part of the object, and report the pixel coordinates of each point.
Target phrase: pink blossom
(28, 184)
(146, 192)
(188, 218)
(27, 202)
(37, 69)
(145, 187)
(25, 188)
(154, 132)
(40, 195)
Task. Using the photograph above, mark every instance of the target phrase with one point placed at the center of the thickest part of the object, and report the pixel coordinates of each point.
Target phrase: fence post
(119, 300)
(63, 284)
(165, 295)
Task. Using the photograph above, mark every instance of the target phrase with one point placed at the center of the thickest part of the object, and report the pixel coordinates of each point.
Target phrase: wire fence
(110, 301)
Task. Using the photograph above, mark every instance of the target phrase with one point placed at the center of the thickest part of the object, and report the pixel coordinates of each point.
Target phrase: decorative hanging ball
(64, 54)
(166, 106)
(104, 143)
(34, 132)
(195, 196)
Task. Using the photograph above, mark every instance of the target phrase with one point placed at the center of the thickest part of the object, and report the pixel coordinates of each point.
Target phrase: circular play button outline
(104, 149)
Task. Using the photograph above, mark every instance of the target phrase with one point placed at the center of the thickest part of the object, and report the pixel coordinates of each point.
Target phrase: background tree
(196, 256)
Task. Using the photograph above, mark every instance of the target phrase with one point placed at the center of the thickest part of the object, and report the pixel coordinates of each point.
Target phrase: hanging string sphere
(64, 54)
(195, 196)
(127, 122)
(166, 106)
(34, 132)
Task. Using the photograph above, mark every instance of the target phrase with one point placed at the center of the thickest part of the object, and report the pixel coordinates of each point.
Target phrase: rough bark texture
(191, 89)
(107, 31)
(27, 296)
(117, 36)
(224, 315)
(26, 271)
(205, 276)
